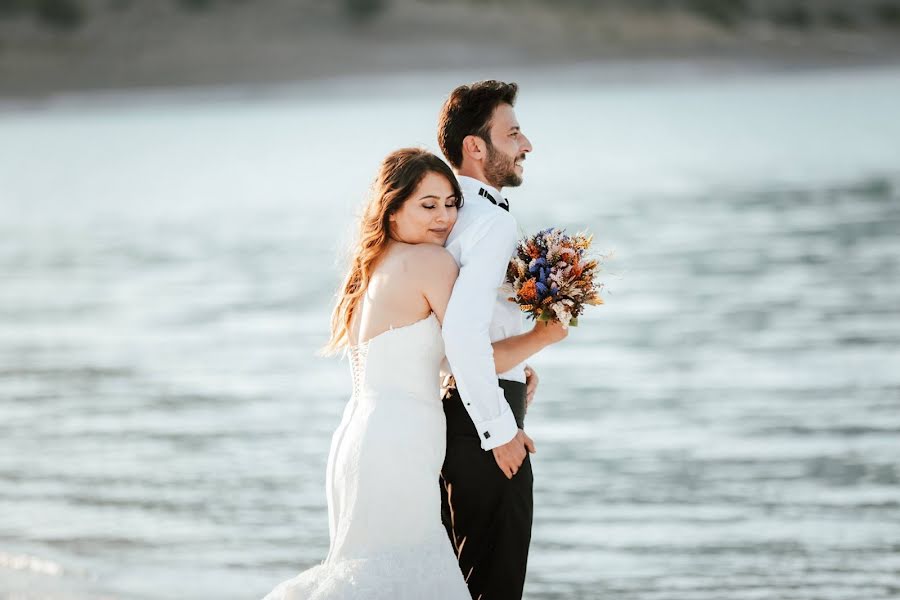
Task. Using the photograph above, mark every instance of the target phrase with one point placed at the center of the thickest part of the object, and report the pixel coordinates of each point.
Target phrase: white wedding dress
(382, 480)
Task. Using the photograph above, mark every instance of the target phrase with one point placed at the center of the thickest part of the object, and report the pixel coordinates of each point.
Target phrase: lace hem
(411, 574)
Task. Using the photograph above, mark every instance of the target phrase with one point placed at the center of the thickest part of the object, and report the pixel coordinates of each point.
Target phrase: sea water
(727, 425)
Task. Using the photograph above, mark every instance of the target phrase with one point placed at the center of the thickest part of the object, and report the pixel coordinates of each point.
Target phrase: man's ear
(474, 147)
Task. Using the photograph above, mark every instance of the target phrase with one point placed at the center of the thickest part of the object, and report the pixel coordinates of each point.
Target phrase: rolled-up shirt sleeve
(483, 262)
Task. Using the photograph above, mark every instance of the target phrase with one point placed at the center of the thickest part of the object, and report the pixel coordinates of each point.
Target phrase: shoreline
(144, 48)
(390, 82)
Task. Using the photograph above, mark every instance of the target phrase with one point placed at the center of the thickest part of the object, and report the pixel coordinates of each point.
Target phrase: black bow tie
(486, 194)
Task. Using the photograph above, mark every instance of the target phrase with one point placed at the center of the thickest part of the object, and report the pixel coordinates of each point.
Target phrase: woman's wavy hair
(400, 174)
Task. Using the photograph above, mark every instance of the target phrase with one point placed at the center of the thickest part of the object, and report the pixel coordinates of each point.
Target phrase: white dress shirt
(478, 314)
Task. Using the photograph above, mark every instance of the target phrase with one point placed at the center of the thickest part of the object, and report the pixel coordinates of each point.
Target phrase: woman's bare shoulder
(432, 259)
(419, 261)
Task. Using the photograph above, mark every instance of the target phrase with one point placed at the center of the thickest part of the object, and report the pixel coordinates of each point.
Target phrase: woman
(384, 506)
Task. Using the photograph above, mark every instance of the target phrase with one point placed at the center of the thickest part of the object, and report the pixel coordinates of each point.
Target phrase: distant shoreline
(145, 47)
(611, 70)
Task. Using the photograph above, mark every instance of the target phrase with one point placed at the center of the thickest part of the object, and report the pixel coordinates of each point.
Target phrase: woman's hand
(531, 383)
(550, 332)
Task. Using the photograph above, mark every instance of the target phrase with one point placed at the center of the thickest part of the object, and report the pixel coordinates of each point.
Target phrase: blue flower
(537, 264)
(541, 289)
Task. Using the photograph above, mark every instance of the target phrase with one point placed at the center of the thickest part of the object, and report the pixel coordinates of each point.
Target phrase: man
(486, 480)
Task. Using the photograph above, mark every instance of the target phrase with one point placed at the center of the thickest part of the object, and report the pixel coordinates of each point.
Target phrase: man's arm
(466, 328)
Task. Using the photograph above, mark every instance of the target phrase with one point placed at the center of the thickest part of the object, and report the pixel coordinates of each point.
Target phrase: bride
(384, 505)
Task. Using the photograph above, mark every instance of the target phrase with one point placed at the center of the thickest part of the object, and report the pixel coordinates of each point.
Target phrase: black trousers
(487, 516)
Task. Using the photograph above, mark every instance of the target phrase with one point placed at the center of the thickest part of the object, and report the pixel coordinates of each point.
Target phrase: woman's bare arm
(439, 273)
(517, 349)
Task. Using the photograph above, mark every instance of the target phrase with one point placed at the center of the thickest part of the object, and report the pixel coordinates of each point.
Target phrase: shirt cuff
(499, 430)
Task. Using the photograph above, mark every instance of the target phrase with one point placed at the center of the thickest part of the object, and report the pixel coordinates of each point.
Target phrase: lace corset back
(403, 359)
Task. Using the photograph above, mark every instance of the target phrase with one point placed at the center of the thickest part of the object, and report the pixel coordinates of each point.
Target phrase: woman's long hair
(400, 174)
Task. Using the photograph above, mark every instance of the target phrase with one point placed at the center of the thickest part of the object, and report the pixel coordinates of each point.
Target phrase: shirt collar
(470, 187)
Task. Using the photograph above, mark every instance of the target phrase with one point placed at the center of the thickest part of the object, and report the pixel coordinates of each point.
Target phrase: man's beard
(500, 170)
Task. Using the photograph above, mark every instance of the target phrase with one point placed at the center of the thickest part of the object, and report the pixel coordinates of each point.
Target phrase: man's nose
(526, 144)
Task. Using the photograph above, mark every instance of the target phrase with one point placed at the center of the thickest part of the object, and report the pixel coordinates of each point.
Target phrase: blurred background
(178, 184)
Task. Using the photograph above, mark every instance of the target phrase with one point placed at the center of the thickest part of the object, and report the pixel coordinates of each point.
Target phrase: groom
(486, 480)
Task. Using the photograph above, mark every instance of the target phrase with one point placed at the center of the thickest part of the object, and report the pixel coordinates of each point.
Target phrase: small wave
(32, 564)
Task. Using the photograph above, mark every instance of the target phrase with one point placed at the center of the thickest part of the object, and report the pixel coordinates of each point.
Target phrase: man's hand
(531, 383)
(511, 455)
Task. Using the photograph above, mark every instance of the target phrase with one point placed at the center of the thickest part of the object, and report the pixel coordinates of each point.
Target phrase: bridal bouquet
(552, 278)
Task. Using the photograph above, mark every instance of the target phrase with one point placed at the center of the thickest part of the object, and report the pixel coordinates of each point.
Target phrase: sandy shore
(158, 45)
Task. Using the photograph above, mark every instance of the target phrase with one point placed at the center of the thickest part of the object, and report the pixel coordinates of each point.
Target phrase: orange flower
(528, 291)
(533, 251)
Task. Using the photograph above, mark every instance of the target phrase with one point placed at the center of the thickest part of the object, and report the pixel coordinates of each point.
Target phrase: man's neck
(477, 174)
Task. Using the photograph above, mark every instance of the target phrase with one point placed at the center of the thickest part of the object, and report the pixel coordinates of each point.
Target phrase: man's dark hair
(468, 111)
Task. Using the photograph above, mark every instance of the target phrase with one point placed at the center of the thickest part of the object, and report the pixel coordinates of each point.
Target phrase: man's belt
(513, 391)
